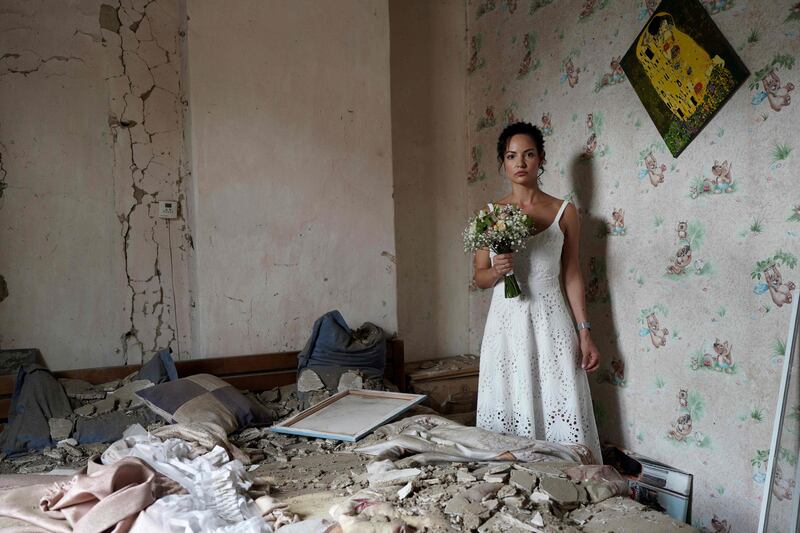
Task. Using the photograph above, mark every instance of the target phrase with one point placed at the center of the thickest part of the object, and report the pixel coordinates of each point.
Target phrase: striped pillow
(204, 398)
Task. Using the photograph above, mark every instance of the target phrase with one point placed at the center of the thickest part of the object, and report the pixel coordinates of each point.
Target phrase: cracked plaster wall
(90, 138)
(292, 170)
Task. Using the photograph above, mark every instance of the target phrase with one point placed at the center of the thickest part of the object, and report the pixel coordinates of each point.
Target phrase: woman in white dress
(533, 364)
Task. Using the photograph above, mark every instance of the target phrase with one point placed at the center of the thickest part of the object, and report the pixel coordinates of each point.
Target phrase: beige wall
(90, 138)
(292, 177)
(429, 147)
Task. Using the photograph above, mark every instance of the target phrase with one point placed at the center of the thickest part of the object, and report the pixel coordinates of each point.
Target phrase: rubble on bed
(327, 479)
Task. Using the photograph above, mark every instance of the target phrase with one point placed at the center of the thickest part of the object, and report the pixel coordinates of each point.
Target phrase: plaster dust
(320, 478)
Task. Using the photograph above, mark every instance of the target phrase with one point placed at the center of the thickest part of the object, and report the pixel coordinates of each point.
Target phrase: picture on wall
(683, 70)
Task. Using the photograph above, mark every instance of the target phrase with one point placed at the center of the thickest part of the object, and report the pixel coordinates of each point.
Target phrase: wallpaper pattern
(689, 262)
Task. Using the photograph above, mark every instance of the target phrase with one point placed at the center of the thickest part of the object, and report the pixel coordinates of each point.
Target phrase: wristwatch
(584, 325)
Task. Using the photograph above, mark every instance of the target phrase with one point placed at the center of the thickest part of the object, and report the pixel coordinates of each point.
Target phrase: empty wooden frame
(348, 415)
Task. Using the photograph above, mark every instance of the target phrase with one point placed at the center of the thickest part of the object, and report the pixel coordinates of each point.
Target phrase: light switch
(168, 209)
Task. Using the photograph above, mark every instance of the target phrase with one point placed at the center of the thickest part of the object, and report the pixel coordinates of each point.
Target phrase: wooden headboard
(258, 372)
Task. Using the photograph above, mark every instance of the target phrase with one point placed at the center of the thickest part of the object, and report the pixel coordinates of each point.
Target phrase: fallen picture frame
(348, 415)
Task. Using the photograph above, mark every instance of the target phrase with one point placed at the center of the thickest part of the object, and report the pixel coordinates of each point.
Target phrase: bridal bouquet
(502, 229)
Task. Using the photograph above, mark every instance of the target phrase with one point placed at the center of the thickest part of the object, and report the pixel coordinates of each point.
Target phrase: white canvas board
(352, 414)
(349, 415)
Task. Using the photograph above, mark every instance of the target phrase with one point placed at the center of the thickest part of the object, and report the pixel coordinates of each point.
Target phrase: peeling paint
(109, 19)
(143, 113)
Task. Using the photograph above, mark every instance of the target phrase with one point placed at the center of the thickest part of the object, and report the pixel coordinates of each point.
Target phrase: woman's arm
(486, 275)
(574, 287)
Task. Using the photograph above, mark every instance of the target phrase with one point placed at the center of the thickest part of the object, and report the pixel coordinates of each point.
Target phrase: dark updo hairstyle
(520, 128)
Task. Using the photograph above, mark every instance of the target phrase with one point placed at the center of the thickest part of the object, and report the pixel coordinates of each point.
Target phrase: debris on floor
(331, 481)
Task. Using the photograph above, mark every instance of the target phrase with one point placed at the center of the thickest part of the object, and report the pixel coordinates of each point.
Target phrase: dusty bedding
(424, 471)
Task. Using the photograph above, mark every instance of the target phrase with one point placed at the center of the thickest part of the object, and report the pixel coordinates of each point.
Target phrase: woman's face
(522, 160)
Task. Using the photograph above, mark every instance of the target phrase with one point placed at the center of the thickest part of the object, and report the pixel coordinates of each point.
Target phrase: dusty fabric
(37, 397)
(368, 510)
(217, 485)
(334, 345)
(275, 513)
(179, 514)
(159, 368)
(434, 438)
(103, 497)
(203, 438)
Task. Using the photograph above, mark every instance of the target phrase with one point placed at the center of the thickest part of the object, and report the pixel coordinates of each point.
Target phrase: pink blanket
(103, 498)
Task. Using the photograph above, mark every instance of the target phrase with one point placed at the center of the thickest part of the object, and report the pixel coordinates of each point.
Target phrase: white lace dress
(531, 382)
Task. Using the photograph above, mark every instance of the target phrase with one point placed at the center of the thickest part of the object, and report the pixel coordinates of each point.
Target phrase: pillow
(204, 398)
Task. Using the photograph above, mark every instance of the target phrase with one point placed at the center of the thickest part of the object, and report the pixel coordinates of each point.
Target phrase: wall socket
(168, 209)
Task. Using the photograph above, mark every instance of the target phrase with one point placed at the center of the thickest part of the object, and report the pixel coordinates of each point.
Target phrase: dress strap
(561, 211)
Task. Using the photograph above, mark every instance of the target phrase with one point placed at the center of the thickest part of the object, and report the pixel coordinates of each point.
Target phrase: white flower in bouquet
(502, 229)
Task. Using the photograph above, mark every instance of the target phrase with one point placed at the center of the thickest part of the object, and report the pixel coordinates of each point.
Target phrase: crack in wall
(42, 63)
(149, 319)
(3, 172)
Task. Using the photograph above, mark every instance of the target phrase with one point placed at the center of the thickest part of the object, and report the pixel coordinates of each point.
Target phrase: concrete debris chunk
(504, 522)
(495, 478)
(350, 380)
(539, 497)
(491, 504)
(514, 502)
(537, 519)
(524, 481)
(54, 453)
(86, 410)
(91, 395)
(308, 381)
(598, 491)
(109, 386)
(270, 396)
(34, 468)
(540, 469)
(105, 406)
(482, 491)
(562, 491)
(405, 491)
(70, 449)
(393, 477)
(314, 397)
(506, 491)
(126, 395)
(459, 505)
(499, 469)
(581, 516)
(248, 435)
(60, 428)
(471, 521)
(465, 477)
